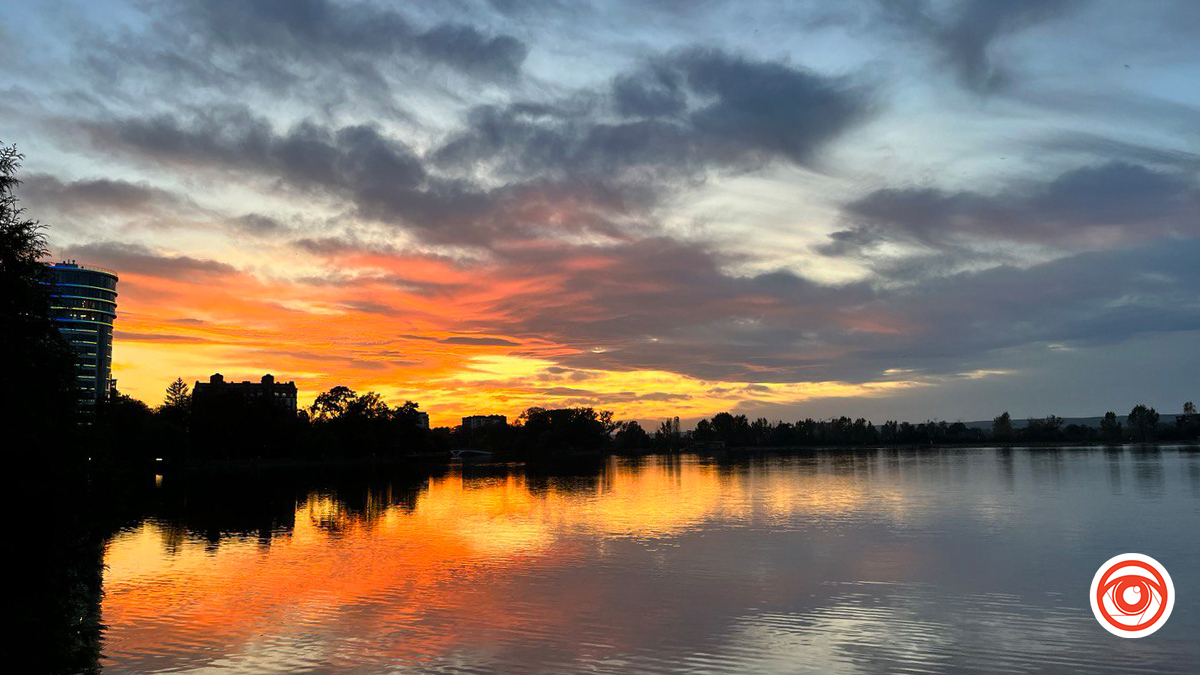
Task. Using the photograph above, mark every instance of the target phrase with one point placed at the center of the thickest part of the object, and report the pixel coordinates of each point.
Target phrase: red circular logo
(1132, 595)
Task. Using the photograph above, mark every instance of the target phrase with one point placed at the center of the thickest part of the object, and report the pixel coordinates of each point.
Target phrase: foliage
(349, 424)
(1046, 429)
(1188, 424)
(1110, 427)
(1143, 421)
(177, 396)
(565, 429)
(332, 404)
(631, 436)
(1002, 428)
(44, 373)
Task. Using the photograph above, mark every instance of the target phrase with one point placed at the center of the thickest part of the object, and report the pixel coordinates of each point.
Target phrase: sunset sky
(891, 209)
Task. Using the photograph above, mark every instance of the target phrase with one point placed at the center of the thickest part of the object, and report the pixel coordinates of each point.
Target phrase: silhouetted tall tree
(631, 436)
(1143, 420)
(1189, 422)
(177, 395)
(175, 413)
(333, 403)
(38, 381)
(1110, 428)
(1002, 428)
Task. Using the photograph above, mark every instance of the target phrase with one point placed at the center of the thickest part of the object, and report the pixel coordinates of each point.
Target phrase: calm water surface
(880, 562)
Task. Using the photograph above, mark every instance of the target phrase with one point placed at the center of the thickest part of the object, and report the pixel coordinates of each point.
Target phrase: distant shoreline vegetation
(343, 425)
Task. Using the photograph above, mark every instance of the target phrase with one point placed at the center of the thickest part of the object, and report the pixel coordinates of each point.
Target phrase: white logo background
(1155, 601)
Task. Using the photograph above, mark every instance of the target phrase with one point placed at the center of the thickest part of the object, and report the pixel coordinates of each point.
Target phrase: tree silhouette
(1144, 420)
(178, 396)
(631, 436)
(175, 413)
(1189, 422)
(565, 429)
(1110, 428)
(41, 376)
(1002, 428)
(332, 404)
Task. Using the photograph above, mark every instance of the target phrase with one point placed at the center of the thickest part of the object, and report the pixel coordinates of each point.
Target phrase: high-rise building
(83, 304)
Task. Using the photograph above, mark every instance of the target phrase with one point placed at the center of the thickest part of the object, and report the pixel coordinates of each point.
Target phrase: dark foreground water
(878, 562)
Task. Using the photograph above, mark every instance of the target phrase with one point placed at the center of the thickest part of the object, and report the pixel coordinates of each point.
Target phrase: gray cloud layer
(279, 44)
(1117, 201)
(780, 327)
(737, 114)
(537, 176)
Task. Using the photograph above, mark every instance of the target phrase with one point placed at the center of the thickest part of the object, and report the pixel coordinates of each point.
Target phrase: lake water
(876, 562)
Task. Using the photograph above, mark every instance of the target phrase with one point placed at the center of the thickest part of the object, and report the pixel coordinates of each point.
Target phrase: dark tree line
(1142, 425)
(339, 424)
(38, 377)
(344, 424)
(738, 431)
(546, 432)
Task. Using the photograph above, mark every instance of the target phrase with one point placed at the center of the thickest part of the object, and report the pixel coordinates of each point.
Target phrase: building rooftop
(71, 264)
(266, 380)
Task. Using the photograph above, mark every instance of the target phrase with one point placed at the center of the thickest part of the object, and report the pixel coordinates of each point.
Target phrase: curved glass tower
(83, 304)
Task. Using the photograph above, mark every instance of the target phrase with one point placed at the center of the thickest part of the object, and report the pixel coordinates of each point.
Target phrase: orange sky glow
(410, 327)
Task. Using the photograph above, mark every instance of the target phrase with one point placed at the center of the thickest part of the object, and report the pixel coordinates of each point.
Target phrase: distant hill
(1094, 422)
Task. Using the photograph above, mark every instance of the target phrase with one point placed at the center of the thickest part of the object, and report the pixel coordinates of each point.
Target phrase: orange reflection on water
(394, 581)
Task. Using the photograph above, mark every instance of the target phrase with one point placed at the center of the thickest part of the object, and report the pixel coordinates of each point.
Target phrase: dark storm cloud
(656, 91)
(92, 196)
(159, 337)
(232, 137)
(851, 241)
(662, 305)
(464, 340)
(329, 49)
(677, 115)
(478, 341)
(136, 259)
(472, 51)
(964, 39)
(1117, 201)
(368, 307)
(768, 107)
(564, 169)
(1090, 298)
(581, 397)
(382, 176)
(257, 223)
